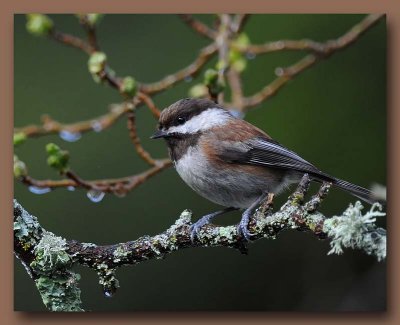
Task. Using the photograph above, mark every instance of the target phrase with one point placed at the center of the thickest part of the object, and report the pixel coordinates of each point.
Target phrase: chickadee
(230, 161)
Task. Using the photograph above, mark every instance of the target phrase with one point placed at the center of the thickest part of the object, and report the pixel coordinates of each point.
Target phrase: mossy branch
(48, 258)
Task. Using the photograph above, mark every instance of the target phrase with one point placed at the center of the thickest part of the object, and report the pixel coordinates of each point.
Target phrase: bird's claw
(195, 229)
(243, 231)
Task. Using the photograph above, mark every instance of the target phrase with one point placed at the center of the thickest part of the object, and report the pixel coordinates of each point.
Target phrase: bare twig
(72, 41)
(79, 181)
(321, 50)
(51, 126)
(284, 76)
(204, 56)
(198, 26)
(136, 140)
(149, 103)
(118, 186)
(89, 48)
(238, 22)
(235, 83)
(90, 30)
(222, 41)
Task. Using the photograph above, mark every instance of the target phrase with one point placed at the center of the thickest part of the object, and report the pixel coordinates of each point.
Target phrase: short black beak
(159, 134)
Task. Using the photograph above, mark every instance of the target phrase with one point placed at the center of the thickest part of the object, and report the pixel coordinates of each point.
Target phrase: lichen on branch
(49, 258)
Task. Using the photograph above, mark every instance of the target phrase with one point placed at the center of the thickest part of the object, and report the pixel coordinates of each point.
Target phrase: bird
(231, 162)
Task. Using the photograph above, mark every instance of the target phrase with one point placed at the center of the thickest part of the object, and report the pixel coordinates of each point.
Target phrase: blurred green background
(334, 115)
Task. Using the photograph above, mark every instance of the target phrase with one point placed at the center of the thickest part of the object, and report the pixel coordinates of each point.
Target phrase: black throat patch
(178, 145)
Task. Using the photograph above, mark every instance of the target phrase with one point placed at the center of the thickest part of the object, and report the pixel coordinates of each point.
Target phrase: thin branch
(351, 230)
(222, 41)
(72, 41)
(321, 50)
(90, 30)
(150, 104)
(136, 140)
(107, 75)
(239, 22)
(89, 48)
(198, 26)
(285, 75)
(118, 186)
(51, 126)
(79, 181)
(204, 56)
(235, 84)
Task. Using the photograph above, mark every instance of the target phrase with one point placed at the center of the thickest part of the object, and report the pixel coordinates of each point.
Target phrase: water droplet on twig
(108, 294)
(96, 126)
(250, 56)
(39, 190)
(279, 72)
(95, 195)
(71, 188)
(69, 136)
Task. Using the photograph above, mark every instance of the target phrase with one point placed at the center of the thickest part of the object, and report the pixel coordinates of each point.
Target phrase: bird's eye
(180, 120)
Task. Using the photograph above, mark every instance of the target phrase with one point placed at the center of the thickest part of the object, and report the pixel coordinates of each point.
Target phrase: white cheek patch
(204, 121)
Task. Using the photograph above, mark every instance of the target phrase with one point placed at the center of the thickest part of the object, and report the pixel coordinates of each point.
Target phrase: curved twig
(119, 186)
(198, 26)
(204, 56)
(320, 51)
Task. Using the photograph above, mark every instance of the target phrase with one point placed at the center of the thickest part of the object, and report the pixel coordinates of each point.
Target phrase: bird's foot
(242, 227)
(195, 228)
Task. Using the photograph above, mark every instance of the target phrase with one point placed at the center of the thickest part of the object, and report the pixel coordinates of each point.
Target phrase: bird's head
(190, 116)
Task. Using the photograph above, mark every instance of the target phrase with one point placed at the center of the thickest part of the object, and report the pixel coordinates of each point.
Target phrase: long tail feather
(358, 191)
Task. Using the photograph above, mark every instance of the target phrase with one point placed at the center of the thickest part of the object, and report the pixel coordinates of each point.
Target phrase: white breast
(193, 167)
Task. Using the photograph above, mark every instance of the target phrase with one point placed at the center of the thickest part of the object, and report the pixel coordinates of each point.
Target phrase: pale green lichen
(60, 291)
(355, 230)
(107, 279)
(57, 285)
(169, 240)
(26, 227)
(50, 254)
(88, 245)
(120, 252)
(184, 219)
(227, 233)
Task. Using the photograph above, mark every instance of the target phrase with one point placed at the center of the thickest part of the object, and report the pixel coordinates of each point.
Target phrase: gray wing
(266, 152)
